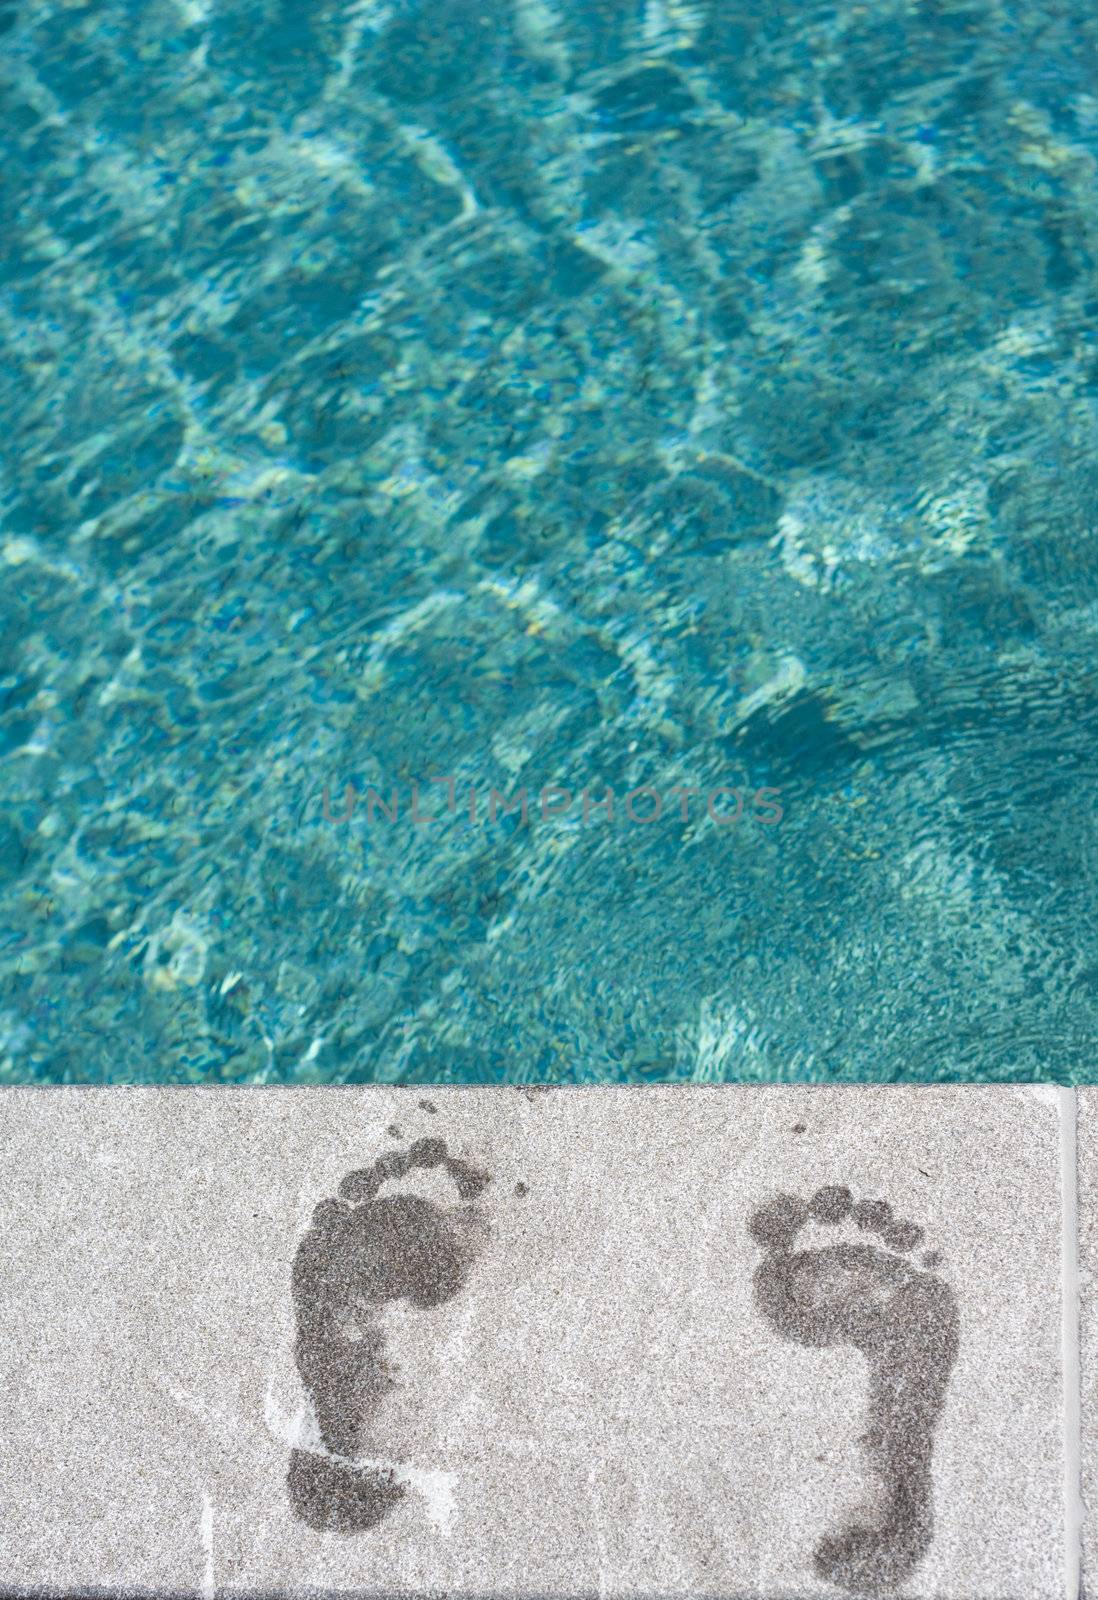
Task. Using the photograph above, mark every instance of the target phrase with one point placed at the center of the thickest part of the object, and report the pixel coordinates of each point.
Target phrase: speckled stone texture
(1088, 1328)
(634, 1342)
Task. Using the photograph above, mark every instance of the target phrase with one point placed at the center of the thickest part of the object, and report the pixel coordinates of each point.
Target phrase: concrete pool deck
(770, 1343)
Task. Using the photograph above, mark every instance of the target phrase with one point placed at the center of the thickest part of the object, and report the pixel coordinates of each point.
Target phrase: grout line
(1073, 1392)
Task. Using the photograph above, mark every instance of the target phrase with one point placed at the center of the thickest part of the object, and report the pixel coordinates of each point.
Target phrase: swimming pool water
(549, 397)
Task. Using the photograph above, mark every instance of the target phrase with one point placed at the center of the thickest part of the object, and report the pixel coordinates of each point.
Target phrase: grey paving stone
(579, 1347)
(1087, 1158)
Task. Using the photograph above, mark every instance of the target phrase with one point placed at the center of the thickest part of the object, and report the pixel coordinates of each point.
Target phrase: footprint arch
(904, 1321)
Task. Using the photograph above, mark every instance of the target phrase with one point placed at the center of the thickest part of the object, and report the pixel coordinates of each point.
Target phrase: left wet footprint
(363, 1250)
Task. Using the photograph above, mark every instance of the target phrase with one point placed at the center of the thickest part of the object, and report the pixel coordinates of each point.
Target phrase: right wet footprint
(904, 1321)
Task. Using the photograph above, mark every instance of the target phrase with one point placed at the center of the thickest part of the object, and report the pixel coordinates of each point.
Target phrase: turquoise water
(541, 396)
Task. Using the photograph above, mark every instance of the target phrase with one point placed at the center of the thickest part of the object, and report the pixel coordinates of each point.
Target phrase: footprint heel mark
(361, 1250)
(905, 1322)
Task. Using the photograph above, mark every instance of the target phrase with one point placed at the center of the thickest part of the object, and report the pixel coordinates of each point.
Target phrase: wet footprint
(905, 1323)
(361, 1251)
